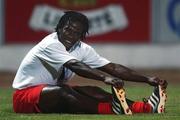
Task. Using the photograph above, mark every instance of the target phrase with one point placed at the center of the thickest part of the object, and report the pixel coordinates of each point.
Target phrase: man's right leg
(55, 99)
(120, 104)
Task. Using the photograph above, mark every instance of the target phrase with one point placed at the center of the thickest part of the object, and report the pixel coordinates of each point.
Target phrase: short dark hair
(73, 16)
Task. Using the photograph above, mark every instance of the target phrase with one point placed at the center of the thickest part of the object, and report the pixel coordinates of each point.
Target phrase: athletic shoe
(157, 100)
(119, 104)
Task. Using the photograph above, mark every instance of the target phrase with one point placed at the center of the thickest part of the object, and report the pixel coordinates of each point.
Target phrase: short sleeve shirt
(43, 64)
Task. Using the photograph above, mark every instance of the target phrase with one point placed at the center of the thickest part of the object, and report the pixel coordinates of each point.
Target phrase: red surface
(18, 12)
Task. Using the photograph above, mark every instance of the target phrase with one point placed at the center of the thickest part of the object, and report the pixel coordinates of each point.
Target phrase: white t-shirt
(44, 62)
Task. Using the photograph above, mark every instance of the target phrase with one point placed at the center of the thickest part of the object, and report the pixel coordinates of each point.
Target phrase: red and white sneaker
(119, 104)
(158, 99)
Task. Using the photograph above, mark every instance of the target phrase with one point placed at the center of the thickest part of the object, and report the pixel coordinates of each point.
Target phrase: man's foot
(119, 104)
(158, 99)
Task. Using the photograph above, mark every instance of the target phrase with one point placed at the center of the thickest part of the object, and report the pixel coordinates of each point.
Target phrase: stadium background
(141, 34)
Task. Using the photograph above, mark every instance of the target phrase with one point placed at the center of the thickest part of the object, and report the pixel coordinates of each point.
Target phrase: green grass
(135, 93)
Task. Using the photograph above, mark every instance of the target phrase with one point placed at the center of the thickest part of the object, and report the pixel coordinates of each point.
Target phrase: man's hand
(116, 82)
(155, 81)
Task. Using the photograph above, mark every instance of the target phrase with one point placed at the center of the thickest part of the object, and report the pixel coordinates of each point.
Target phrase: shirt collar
(76, 45)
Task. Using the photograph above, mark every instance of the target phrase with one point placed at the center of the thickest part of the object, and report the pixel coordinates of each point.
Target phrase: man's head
(72, 27)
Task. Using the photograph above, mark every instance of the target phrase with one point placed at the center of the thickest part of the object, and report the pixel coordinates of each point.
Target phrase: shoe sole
(120, 93)
(163, 97)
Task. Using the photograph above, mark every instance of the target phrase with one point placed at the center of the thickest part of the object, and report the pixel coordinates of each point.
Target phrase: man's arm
(127, 74)
(84, 70)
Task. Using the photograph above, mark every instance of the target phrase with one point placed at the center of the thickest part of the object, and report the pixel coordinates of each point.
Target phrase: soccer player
(41, 81)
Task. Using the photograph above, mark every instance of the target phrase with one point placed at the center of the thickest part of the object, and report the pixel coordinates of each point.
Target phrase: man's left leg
(154, 104)
(114, 103)
(158, 99)
(94, 92)
(117, 102)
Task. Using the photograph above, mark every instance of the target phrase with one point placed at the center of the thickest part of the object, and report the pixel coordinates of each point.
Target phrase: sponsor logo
(102, 20)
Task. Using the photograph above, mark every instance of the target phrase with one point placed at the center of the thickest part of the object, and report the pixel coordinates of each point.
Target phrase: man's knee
(54, 92)
(53, 99)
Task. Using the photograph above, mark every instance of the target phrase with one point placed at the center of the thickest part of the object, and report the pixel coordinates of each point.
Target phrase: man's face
(71, 33)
